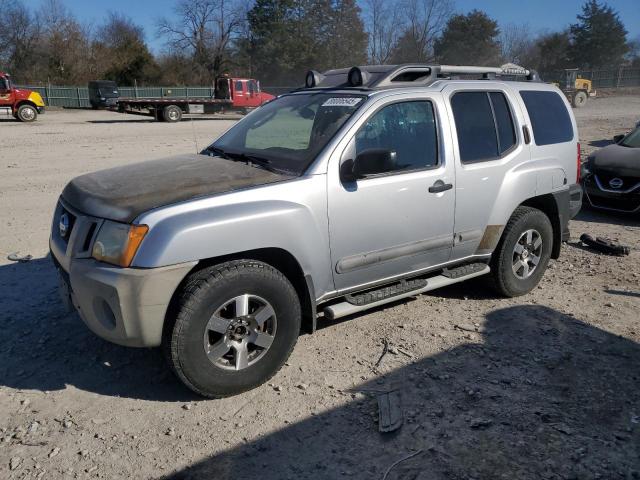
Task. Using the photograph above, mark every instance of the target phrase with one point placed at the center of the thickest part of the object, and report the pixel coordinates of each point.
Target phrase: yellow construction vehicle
(576, 88)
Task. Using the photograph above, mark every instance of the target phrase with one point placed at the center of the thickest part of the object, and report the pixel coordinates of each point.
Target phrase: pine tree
(470, 39)
(599, 39)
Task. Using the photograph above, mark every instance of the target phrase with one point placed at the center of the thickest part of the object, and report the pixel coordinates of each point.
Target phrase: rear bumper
(126, 306)
(41, 110)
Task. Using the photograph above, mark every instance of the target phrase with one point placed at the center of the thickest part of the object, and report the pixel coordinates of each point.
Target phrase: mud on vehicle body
(370, 185)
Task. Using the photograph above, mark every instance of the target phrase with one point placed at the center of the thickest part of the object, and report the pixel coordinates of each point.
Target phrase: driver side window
(407, 129)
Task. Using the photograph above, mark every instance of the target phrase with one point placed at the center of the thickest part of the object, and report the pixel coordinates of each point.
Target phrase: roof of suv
(371, 78)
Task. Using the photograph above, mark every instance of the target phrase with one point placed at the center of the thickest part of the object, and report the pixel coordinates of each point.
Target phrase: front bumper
(126, 306)
(41, 110)
(603, 198)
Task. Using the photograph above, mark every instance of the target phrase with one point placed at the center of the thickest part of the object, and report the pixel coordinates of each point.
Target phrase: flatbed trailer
(172, 109)
(231, 95)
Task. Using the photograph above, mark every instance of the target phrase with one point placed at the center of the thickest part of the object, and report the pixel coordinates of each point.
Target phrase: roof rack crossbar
(474, 70)
(416, 74)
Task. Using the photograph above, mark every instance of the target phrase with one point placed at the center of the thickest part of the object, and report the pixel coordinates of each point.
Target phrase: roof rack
(385, 76)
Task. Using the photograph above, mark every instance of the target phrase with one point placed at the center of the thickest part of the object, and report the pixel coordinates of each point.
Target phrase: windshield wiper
(217, 151)
(251, 160)
(248, 158)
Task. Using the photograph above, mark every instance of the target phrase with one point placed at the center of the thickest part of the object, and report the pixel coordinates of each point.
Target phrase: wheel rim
(28, 113)
(173, 115)
(240, 332)
(526, 254)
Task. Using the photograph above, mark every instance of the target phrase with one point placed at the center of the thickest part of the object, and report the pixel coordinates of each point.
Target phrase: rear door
(489, 142)
(389, 224)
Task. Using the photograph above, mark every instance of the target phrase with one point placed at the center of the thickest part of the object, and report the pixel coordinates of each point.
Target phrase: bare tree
(516, 42)
(206, 29)
(383, 23)
(18, 36)
(424, 21)
(64, 44)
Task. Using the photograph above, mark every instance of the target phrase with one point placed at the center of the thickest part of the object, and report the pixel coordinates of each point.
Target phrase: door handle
(440, 186)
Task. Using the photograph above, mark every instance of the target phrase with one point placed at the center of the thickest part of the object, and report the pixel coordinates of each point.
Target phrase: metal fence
(78, 97)
(622, 77)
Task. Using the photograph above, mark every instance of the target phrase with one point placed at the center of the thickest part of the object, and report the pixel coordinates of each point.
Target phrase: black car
(611, 175)
(103, 93)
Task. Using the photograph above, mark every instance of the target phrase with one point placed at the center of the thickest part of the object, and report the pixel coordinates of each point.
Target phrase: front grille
(81, 230)
(606, 177)
(71, 222)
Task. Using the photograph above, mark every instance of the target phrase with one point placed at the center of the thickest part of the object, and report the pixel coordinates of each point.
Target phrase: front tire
(27, 113)
(580, 99)
(522, 255)
(236, 325)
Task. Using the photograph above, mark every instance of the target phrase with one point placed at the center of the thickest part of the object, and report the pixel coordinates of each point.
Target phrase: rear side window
(484, 125)
(504, 122)
(550, 119)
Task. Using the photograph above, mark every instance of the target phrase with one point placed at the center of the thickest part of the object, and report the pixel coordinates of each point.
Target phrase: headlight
(117, 243)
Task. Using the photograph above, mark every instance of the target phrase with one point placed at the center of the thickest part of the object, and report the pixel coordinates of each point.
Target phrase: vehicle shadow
(535, 394)
(601, 143)
(42, 347)
(613, 218)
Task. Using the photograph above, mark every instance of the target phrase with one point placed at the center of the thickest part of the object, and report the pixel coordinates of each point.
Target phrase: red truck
(23, 104)
(230, 94)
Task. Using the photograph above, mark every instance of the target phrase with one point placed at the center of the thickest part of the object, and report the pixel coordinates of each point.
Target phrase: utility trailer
(230, 95)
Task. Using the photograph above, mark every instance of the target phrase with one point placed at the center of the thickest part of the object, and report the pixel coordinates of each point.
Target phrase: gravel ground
(542, 386)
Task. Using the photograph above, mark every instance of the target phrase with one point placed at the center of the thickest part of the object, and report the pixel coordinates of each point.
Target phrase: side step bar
(343, 309)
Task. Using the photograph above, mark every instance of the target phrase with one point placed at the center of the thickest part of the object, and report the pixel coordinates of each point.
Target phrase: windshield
(290, 131)
(108, 90)
(632, 140)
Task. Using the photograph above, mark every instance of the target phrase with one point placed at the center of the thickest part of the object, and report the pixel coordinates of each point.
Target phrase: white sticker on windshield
(342, 102)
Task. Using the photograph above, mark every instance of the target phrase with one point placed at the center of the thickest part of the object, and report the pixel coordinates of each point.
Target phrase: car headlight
(117, 243)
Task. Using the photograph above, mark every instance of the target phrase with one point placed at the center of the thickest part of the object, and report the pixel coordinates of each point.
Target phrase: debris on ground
(605, 246)
(390, 416)
(16, 257)
(385, 350)
(386, 474)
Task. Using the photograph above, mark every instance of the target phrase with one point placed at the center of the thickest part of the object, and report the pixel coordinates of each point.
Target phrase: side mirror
(618, 138)
(369, 162)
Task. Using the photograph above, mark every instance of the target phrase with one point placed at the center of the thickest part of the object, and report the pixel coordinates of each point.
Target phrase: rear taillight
(578, 165)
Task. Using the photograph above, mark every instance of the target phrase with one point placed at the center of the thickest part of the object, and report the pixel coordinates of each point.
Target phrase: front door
(6, 93)
(399, 219)
(239, 93)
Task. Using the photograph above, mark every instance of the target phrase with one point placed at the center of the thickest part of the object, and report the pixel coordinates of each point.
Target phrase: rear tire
(580, 99)
(522, 255)
(172, 113)
(27, 113)
(236, 325)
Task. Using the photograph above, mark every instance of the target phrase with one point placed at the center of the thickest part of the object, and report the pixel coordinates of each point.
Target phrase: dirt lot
(542, 386)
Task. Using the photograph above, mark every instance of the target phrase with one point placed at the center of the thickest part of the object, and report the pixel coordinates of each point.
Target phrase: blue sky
(541, 15)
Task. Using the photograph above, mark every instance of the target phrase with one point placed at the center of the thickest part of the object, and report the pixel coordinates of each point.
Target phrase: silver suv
(369, 185)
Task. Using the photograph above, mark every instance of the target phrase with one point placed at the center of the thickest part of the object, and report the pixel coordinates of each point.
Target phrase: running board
(343, 309)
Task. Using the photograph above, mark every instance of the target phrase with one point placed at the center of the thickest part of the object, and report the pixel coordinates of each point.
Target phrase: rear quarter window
(550, 119)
